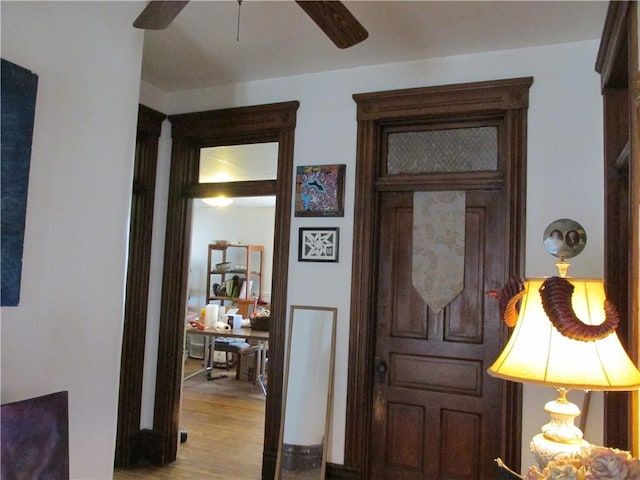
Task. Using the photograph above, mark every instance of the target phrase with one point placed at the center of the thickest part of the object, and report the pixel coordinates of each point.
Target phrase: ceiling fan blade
(158, 14)
(335, 21)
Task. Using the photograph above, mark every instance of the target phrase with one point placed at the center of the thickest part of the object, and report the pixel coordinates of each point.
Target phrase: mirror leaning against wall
(308, 393)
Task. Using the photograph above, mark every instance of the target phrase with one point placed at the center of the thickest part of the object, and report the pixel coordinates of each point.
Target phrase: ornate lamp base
(560, 437)
(545, 450)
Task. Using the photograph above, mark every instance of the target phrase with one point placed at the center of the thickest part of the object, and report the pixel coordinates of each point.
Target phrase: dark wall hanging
(35, 438)
(18, 90)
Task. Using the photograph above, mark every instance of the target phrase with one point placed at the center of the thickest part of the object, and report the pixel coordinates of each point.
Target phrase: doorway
(218, 385)
(191, 133)
(240, 231)
(382, 401)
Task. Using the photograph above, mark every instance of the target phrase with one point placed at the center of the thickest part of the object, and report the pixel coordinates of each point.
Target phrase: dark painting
(35, 438)
(18, 90)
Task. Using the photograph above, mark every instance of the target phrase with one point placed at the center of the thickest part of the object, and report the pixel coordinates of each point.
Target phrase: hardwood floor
(224, 420)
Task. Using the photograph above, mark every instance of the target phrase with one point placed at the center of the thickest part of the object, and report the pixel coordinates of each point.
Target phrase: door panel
(436, 410)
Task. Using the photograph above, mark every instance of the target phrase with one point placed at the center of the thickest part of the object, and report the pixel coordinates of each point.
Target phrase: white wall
(66, 333)
(565, 176)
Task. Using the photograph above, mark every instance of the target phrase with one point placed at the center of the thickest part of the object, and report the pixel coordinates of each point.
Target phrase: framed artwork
(318, 244)
(320, 191)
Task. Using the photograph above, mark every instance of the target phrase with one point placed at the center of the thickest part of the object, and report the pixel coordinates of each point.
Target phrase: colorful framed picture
(320, 191)
(318, 244)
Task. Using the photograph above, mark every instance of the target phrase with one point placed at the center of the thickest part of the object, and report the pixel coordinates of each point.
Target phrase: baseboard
(145, 448)
(341, 472)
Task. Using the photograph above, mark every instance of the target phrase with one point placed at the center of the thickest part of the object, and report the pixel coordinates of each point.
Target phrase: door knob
(381, 366)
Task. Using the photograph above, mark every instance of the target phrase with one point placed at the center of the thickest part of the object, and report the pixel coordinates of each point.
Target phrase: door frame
(191, 132)
(137, 290)
(508, 99)
(617, 64)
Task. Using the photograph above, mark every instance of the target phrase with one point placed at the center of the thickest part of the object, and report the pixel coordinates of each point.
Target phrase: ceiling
(201, 47)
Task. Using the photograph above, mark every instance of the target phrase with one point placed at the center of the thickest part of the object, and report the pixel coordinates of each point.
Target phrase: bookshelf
(235, 285)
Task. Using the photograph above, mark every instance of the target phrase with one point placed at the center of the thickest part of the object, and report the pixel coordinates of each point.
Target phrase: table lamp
(564, 337)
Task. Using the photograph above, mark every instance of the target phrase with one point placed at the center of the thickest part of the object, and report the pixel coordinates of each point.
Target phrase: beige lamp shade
(537, 353)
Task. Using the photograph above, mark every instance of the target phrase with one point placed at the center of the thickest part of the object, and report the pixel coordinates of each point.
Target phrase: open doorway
(222, 403)
(191, 133)
(240, 232)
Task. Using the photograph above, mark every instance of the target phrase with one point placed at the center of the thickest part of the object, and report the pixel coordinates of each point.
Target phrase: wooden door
(436, 411)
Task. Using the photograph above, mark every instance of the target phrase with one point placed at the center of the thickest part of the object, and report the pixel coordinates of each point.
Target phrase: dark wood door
(617, 63)
(436, 412)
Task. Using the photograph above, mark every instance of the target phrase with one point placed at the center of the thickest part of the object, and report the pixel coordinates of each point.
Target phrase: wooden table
(247, 333)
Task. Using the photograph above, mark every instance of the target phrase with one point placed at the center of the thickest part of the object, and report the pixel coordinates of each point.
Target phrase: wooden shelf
(253, 261)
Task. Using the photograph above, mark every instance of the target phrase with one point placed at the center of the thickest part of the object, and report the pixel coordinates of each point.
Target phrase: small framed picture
(320, 191)
(318, 244)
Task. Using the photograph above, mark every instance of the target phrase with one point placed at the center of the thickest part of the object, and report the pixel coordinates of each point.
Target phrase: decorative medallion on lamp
(564, 337)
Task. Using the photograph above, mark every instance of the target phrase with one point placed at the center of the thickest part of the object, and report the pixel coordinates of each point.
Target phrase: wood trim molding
(254, 188)
(487, 97)
(340, 472)
(613, 42)
(507, 98)
(135, 311)
(617, 63)
(191, 132)
(150, 121)
(235, 123)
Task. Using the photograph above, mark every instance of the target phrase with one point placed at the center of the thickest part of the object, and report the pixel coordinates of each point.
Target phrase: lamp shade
(538, 353)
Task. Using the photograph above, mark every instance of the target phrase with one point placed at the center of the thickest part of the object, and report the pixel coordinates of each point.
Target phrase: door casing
(191, 132)
(505, 98)
(135, 310)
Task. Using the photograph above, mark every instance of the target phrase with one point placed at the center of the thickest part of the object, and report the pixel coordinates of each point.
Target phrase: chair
(238, 349)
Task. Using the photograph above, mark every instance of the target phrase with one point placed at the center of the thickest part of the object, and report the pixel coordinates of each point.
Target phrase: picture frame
(318, 244)
(320, 190)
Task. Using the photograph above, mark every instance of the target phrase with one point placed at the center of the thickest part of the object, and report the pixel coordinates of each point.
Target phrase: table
(211, 334)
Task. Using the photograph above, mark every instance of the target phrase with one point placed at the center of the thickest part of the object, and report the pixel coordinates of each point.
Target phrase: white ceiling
(277, 39)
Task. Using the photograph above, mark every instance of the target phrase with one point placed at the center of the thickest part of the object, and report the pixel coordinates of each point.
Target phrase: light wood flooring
(224, 420)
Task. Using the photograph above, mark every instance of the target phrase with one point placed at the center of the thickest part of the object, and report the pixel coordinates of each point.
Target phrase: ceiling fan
(333, 18)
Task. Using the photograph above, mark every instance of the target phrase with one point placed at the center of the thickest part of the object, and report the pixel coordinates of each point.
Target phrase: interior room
(551, 86)
(216, 380)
